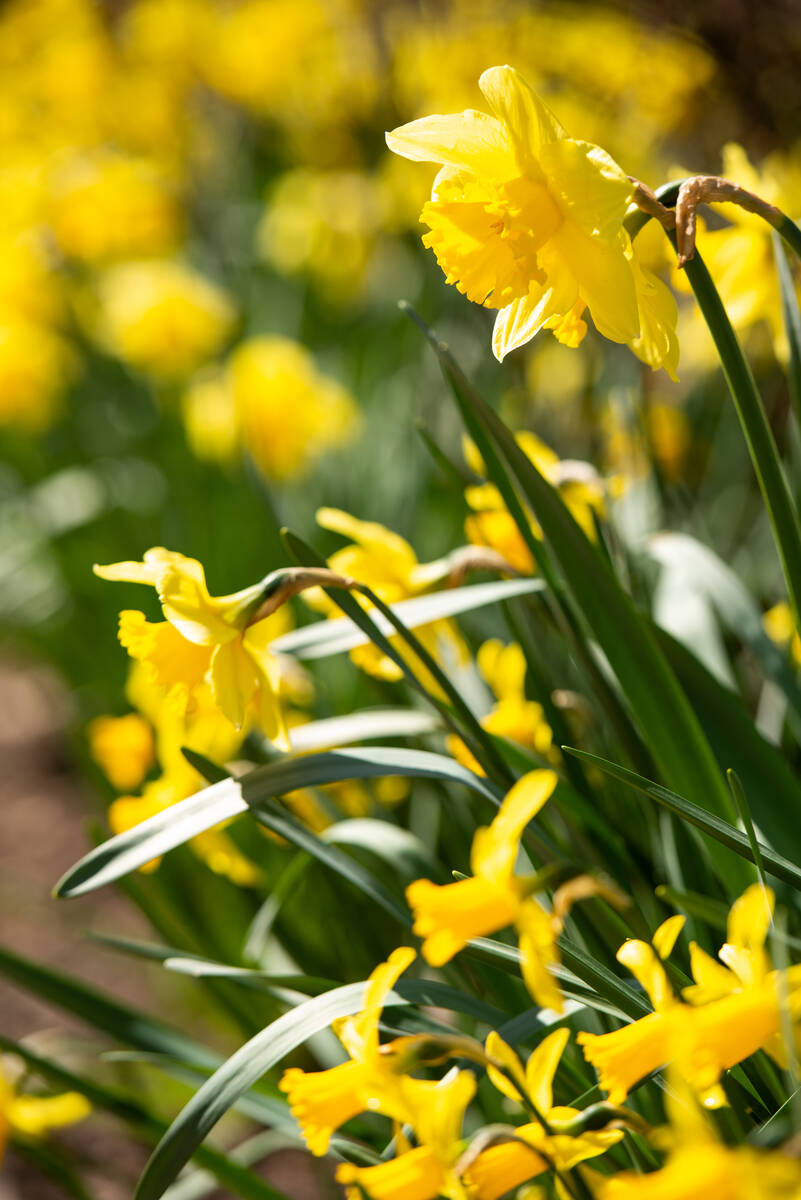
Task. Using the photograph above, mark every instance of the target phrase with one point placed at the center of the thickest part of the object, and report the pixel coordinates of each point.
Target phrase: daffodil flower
(34, 1116)
(448, 916)
(513, 716)
(729, 1012)
(427, 1170)
(321, 1101)
(700, 1165)
(203, 729)
(524, 219)
(205, 636)
(491, 524)
(388, 565)
(502, 1167)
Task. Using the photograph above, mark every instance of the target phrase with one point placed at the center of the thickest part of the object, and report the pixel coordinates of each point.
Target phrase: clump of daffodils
(529, 221)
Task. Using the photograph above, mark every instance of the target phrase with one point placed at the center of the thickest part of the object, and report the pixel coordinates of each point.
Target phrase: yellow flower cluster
(732, 1010)
(377, 1078)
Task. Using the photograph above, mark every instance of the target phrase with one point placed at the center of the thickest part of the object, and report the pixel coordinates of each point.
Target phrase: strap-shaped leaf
(713, 826)
(238, 1074)
(325, 638)
(230, 797)
(660, 707)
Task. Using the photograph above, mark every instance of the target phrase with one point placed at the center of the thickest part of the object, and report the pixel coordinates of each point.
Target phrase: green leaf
(238, 1074)
(362, 726)
(278, 821)
(732, 602)
(126, 1024)
(397, 847)
(774, 792)
(792, 325)
(225, 1169)
(658, 704)
(325, 638)
(709, 824)
(230, 797)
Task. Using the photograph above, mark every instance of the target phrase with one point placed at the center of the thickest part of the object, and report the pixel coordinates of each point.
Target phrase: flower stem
(758, 433)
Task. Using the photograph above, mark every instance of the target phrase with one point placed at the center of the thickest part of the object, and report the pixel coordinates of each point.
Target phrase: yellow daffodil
(513, 716)
(448, 916)
(699, 1165)
(108, 206)
(729, 1012)
(123, 747)
(428, 1170)
(491, 524)
(33, 1116)
(205, 637)
(321, 1101)
(389, 566)
(501, 1168)
(161, 317)
(740, 256)
(524, 219)
(272, 401)
(203, 729)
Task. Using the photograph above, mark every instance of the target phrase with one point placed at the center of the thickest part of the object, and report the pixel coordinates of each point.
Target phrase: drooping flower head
(203, 638)
(524, 219)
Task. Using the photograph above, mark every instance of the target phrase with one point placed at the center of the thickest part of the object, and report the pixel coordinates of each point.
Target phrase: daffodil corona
(526, 220)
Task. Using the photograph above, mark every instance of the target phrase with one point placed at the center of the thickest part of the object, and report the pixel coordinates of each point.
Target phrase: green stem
(757, 430)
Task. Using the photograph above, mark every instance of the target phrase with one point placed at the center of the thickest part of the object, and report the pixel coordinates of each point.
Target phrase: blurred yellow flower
(107, 205)
(162, 317)
(779, 626)
(33, 1116)
(321, 1101)
(36, 365)
(491, 524)
(203, 729)
(448, 916)
(205, 637)
(529, 221)
(741, 256)
(123, 747)
(271, 400)
(322, 223)
(514, 716)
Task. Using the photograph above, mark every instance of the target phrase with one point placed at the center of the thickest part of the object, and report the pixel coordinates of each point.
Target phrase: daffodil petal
(541, 1068)
(233, 681)
(588, 185)
(471, 140)
(604, 275)
(522, 319)
(530, 122)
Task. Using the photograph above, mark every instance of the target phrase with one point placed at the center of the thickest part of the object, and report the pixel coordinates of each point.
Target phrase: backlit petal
(605, 279)
(530, 123)
(471, 140)
(588, 185)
